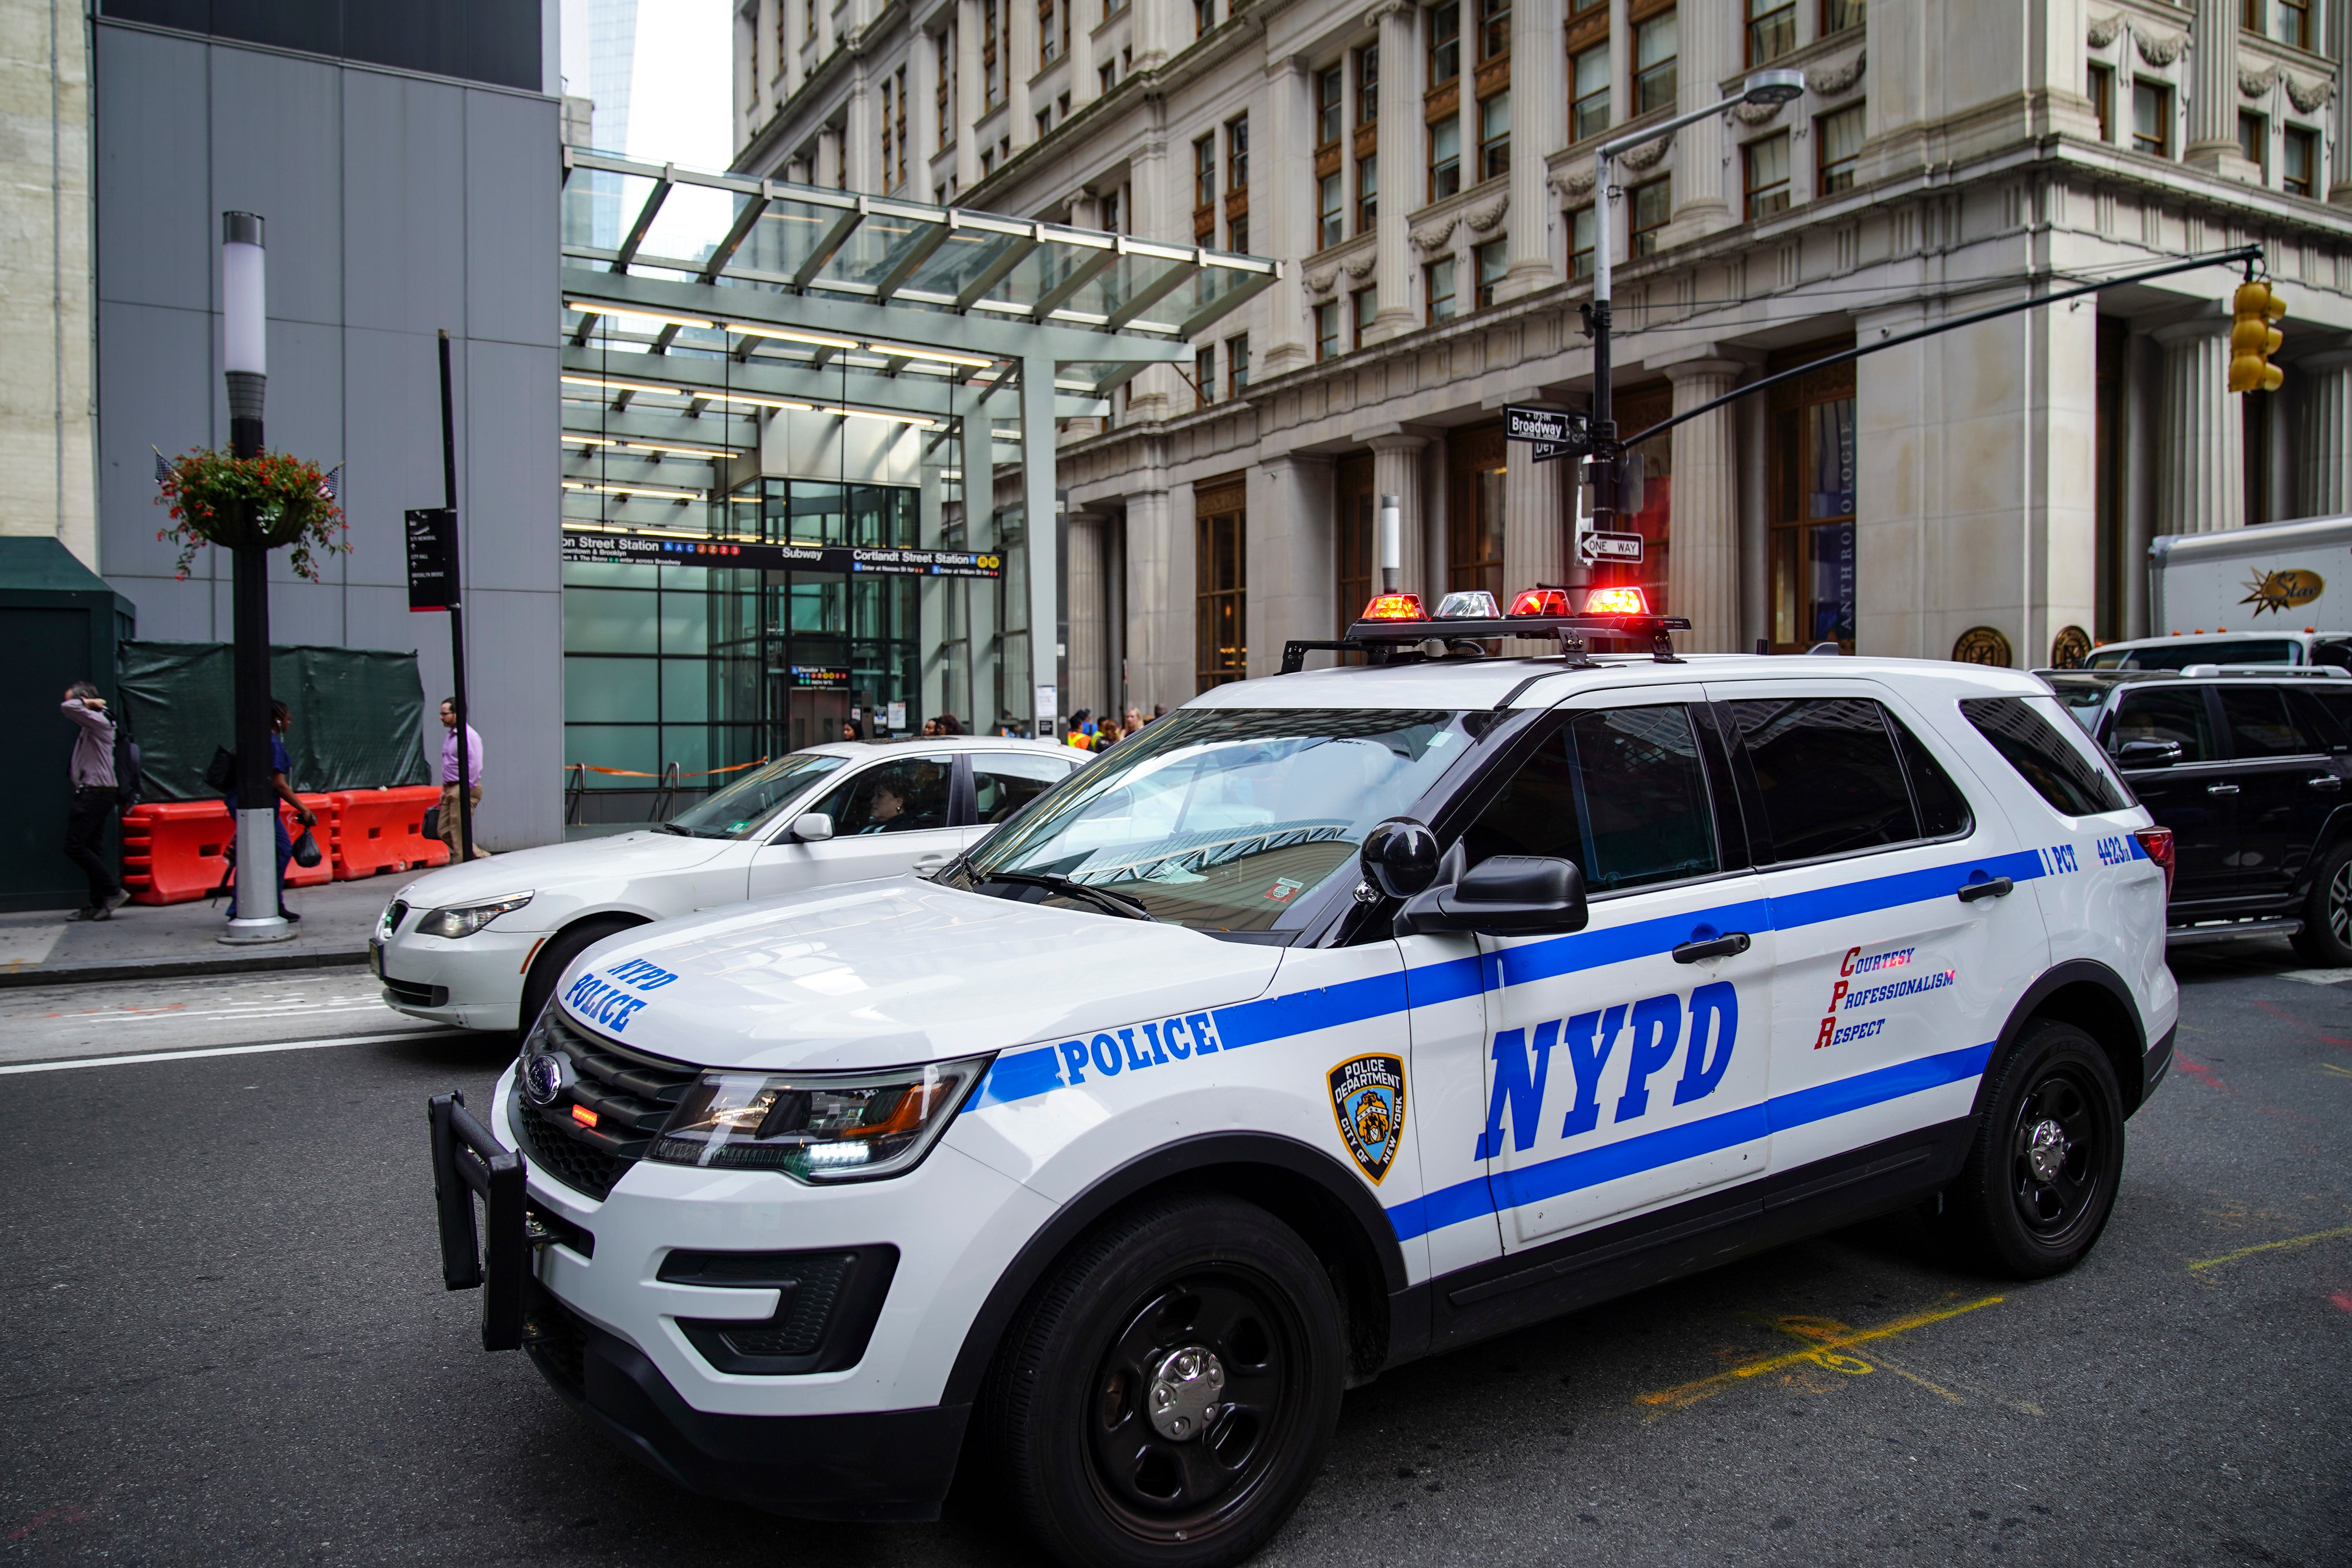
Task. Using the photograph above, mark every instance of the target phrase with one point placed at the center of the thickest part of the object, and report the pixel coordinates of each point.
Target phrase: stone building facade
(1424, 170)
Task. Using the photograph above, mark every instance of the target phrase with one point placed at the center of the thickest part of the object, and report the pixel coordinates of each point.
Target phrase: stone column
(2213, 93)
(1148, 218)
(1083, 86)
(1396, 470)
(1289, 571)
(1088, 630)
(1283, 180)
(1710, 50)
(1399, 99)
(861, 134)
(922, 113)
(1535, 520)
(1704, 526)
(2326, 487)
(2201, 455)
(1539, 128)
(968, 93)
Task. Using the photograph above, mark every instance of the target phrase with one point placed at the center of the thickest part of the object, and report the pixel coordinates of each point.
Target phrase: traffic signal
(2253, 338)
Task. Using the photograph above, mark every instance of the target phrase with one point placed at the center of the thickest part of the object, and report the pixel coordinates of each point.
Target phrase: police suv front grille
(629, 1095)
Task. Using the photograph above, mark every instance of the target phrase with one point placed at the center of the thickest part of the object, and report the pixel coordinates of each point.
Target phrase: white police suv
(1341, 1018)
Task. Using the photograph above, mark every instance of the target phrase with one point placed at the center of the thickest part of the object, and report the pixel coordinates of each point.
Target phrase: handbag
(306, 850)
(431, 823)
(221, 776)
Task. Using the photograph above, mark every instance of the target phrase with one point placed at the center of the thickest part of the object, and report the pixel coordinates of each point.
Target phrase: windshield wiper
(1117, 903)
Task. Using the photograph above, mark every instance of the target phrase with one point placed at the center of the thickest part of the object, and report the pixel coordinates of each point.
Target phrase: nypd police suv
(1340, 1019)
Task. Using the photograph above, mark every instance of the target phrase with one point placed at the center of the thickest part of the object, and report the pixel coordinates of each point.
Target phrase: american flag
(162, 468)
(332, 484)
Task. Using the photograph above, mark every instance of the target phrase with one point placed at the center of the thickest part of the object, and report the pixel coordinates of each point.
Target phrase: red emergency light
(1617, 602)
(1541, 602)
(1394, 607)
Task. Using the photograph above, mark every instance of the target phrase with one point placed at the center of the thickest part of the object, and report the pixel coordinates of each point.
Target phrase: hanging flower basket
(290, 500)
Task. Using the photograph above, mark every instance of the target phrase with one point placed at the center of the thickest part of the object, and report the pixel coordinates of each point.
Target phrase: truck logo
(1368, 1102)
(2289, 587)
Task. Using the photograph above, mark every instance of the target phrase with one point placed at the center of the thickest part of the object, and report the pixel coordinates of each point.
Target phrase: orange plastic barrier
(383, 830)
(174, 850)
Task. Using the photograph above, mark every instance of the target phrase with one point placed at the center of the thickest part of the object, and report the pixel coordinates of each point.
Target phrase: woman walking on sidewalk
(92, 772)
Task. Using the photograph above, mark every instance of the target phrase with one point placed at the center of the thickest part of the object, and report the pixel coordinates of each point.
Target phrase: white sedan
(482, 945)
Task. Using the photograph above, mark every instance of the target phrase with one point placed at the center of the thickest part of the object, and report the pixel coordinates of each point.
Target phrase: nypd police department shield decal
(1368, 1100)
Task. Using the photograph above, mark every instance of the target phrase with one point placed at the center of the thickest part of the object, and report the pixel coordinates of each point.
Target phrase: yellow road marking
(2339, 1072)
(2292, 1241)
(1826, 1338)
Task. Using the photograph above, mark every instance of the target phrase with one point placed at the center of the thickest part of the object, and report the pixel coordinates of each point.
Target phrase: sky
(681, 90)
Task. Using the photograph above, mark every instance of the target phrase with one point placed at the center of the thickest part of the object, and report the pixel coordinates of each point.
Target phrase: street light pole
(245, 343)
(1774, 87)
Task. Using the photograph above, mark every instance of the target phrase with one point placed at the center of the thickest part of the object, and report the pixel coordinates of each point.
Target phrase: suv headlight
(465, 919)
(817, 1127)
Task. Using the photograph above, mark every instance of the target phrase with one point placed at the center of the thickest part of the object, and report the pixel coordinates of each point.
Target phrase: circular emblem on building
(545, 1076)
(1982, 644)
(2070, 648)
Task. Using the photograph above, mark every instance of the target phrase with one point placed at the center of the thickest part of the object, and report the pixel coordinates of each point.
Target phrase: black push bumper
(890, 1464)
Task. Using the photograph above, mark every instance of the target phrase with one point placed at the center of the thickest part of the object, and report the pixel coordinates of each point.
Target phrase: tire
(2042, 1172)
(2325, 940)
(556, 957)
(1237, 1314)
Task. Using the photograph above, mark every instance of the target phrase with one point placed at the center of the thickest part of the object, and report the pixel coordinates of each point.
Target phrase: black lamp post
(245, 356)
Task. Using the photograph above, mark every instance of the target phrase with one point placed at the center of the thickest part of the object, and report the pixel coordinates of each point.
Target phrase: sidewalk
(41, 947)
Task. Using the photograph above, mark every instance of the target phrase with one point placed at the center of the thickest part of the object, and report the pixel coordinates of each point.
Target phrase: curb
(170, 968)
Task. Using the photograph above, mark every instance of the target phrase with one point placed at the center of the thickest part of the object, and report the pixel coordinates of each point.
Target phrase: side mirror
(1510, 895)
(1400, 856)
(813, 826)
(2148, 754)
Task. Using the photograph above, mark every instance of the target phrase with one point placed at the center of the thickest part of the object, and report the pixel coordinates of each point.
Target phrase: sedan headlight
(465, 919)
(817, 1127)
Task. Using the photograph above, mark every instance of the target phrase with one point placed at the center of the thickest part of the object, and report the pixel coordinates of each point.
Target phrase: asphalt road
(225, 1342)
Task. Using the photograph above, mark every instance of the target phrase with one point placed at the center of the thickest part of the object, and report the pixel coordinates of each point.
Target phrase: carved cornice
(2309, 96)
(1575, 180)
(1319, 282)
(2158, 49)
(1828, 81)
(1755, 113)
(2255, 83)
(1483, 219)
(2106, 30)
(1431, 236)
(1649, 152)
(1361, 267)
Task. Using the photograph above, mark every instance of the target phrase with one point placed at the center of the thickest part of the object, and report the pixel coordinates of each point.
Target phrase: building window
(808, 21)
(2101, 87)
(1238, 366)
(1476, 464)
(1368, 192)
(1204, 173)
(1638, 409)
(991, 64)
(889, 115)
(1237, 154)
(1330, 94)
(1495, 135)
(1656, 49)
(1204, 17)
(1494, 260)
(1494, 29)
(1050, 41)
(1580, 235)
(1221, 577)
(1837, 16)
(1044, 122)
(1766, 163)
(2152, 119)
(1331, 212)
(1444, 157)
(1588, 76)
(2254, 141)
(1204, 374)
(1838, 142)
(1444, 42)
(1111, 213)
(1437, 288)
(2299, 163)
(2291, 22)
(1106, 75)
(1771, 29)
(1356, 518)
(1810, 477)
(1326, 331)
(1362, 306)
(943, 90)
(1368, 85)
(1652, 206)
(899, 137)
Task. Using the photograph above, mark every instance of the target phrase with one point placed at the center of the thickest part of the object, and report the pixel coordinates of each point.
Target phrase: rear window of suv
(2063, 772)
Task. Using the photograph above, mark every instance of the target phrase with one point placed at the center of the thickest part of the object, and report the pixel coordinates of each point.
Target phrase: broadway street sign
(1564, 428)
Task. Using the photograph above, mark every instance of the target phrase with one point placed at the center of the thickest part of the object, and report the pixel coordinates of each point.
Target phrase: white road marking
(2317, 976)
(24, 947)
(128, 1060)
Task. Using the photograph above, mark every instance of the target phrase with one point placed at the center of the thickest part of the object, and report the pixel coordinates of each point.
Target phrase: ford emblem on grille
(545, 1077)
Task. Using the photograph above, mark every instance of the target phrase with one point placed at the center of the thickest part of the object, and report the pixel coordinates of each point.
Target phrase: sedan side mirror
(2148, 754)
(813, 826)
(1509, 895)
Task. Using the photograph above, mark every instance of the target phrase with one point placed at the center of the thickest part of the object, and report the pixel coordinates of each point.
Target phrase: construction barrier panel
(174, 851)
(383, 830)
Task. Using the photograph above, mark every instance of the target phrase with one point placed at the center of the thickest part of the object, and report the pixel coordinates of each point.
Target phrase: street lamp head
(243, 310)
(1773, 86)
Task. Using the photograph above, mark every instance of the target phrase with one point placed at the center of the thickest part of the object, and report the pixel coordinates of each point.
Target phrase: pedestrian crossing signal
(2253, 339)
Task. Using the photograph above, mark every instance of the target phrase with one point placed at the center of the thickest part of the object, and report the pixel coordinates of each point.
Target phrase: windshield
(734, 812)
(1223, 818)
(2083, 700)
(2183, 653)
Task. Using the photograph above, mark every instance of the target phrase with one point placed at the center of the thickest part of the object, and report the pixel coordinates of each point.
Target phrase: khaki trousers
(450, 820)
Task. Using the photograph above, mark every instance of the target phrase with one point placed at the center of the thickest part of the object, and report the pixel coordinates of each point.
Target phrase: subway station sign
(644, 549)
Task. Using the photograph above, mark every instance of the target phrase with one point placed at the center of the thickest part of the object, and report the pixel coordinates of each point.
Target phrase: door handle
(1731, 944)
(2221, 789)
(1998, 887)
(2325, 782)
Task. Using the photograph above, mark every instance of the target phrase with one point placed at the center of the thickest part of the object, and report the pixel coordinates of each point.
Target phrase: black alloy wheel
(1167, 1397)
(2325, 940)
(2046, 1159)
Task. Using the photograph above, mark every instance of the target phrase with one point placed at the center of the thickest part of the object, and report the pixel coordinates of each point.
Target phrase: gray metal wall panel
(276, 133)
(394, 398)
(404, 231)
(512, 233)
(511, 497)
(156, 228)
(154, 375)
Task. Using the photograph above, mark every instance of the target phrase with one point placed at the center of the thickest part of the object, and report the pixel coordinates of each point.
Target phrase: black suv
(2247, 766)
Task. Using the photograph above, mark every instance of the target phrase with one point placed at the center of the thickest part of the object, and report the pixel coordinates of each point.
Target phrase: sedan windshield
(737, 811)
(1223, 818)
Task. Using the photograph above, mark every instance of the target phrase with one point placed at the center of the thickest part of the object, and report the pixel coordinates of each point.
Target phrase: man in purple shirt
(449, 779)
(92, 774)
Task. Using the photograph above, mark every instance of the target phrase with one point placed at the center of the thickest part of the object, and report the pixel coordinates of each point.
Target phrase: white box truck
(2280, 592)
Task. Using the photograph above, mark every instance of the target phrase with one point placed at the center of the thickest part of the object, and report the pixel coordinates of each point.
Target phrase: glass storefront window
(1813, 503)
